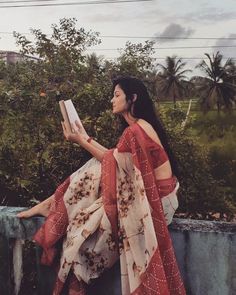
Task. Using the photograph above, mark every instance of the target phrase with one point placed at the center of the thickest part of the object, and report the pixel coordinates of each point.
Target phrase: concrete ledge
(205, 251)
(203, 226)
(13, 227)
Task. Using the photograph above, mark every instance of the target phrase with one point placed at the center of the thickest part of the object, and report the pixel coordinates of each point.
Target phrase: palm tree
(152, 80)
(231, 72)
(173, 78)
(217, 88)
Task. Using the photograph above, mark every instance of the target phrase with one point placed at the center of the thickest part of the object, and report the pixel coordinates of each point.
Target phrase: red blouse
(156, 151)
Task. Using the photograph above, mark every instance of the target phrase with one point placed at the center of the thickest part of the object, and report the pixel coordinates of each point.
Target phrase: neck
(129, 118)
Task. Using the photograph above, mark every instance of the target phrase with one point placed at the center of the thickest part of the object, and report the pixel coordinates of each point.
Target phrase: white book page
(72, 113)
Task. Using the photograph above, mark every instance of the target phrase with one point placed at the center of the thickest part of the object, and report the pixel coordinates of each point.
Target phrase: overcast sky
(160, 18)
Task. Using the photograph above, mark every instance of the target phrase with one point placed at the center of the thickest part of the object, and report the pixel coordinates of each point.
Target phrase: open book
(69, 114)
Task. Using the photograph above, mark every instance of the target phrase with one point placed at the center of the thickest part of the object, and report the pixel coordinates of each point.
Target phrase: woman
(117, 206)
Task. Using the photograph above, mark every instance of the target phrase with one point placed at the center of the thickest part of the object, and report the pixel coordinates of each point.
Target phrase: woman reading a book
(117, 206)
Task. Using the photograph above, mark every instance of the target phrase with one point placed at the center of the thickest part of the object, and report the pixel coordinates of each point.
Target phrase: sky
(202, 20)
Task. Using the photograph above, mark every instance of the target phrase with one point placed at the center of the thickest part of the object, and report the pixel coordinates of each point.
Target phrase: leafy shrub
(202, 195)
(34, 158)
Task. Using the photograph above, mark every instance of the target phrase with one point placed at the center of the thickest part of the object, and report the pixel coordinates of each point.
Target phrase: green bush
(34, 158)
(201, 194)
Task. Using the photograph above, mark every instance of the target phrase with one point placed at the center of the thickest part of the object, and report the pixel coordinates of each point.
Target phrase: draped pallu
(109, 211)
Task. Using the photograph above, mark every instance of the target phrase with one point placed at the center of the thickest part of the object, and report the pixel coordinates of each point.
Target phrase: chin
(117, 112)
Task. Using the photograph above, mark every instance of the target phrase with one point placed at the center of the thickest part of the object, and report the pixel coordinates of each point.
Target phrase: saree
(113, 210)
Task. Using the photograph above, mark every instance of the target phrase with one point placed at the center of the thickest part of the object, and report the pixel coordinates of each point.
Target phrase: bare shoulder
(149, 130)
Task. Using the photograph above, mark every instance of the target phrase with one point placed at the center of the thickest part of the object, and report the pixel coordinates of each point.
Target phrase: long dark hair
(143, 108)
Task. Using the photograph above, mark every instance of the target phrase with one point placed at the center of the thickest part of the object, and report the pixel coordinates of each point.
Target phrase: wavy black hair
(143, 108)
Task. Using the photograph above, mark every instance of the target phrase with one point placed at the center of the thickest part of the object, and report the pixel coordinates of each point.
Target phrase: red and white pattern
(113, 210)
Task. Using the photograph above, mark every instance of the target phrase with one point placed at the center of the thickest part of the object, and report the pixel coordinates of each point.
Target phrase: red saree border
(153, 282)
(54, 227)
(108, 185)
(133, 141)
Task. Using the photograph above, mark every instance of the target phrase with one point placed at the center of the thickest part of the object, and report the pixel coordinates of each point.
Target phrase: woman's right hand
(81, 130)
(77, 136)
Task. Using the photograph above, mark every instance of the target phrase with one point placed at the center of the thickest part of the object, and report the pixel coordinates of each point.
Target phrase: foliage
(218, 88)
(202, 194)
(172, 78)
(136, 59)
(34, 158)
(218, 133)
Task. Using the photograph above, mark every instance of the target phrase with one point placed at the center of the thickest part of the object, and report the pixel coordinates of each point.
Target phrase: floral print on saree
(109, 211)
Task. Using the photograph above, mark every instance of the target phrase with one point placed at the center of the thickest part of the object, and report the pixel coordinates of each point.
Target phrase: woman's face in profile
(119, 103)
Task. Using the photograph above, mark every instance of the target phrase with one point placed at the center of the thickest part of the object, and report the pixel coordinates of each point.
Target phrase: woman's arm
(80, 137)
(98, 145)
(93, 148)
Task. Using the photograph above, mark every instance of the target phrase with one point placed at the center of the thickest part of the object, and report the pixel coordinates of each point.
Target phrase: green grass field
(211, 128)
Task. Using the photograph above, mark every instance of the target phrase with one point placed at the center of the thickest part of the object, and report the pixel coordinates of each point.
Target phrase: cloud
(227, 52)
(204, 13)
(114, 14)
(148, 13)
(104, 17)
(213, 16)
(174, 30)
(227, 42)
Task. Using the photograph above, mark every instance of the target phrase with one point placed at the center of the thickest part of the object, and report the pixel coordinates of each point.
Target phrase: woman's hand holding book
(77, 134)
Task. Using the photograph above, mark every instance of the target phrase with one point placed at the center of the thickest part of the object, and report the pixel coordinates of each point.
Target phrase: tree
(172, 78)
(33, 156)
(152, 80)
(136, 59)
(218, 88)
(61, 55)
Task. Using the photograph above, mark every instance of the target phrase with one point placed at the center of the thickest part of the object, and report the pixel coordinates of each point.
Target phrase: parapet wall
(205, 250)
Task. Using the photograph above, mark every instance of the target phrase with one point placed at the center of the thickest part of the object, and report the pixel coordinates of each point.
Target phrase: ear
(134, 97)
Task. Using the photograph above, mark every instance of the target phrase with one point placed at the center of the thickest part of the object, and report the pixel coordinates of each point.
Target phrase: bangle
(89, 139)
